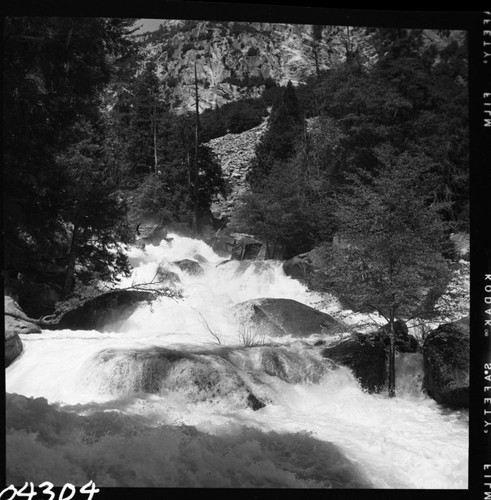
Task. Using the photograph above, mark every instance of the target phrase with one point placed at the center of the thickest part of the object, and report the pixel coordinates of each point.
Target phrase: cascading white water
(158, 402)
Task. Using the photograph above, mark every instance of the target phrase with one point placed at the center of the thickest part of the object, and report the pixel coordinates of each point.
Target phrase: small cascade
(409, 374)
(174, 396)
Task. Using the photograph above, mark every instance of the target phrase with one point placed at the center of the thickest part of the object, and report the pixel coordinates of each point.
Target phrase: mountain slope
(236, 60)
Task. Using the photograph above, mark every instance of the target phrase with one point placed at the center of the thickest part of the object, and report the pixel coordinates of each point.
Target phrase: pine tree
(94, 213)
(55, 69)
(278, 143)
(145, 122)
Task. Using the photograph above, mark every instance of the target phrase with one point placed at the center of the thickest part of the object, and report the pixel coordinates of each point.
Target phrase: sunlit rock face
(237, 60)
(14, 326)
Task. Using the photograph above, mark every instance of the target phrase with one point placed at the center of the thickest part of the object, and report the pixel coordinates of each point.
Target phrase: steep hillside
(235, 153)
(237, 60)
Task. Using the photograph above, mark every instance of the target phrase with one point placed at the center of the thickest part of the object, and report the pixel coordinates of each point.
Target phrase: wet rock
(310, 268)
(365, 356)
(279, 317)
(150, 234)
(199, 258)
(222, 244)
(181, 229)
(13, 347)
(286, 365)
(196, 376)
(166, 277)
(298, 267)
(254, 403)
(245, 247)
(239, 246)
(446, 364)
(107, 309)
(189, 266)
(13, 327)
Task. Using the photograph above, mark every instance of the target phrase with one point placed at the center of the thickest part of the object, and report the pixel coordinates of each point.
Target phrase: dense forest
(375, 154)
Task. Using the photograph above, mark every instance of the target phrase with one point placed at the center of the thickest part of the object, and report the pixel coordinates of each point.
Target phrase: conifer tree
(278, 143)
(394, 233)
(55, 69)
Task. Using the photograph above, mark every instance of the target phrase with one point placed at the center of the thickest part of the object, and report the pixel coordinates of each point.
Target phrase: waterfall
(172, 397)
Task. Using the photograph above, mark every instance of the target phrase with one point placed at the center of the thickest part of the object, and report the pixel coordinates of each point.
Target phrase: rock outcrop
(283, 363)
(189, 266)
(200, 376)
(310, 268)
(237, 245)
(446, 364)
(150, 234)
(13, 327)
(279, 317)
(235, 60)
(246, 248)
(166, 277)
(403, 340)
(105, 310)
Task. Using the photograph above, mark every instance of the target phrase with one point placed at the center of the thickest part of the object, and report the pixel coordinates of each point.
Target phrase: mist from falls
(157, 401)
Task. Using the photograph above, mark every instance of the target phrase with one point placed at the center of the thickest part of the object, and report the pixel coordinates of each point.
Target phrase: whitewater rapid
(161, 401)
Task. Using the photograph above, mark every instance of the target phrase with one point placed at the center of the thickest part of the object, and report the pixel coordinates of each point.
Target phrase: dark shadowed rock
(298, 267)
(239, 246)
(310, 268)
(189, 266)
(280, 317)
(246, 249)
(13, 327)
(222, 244)
(104, 310)
(365, 356)
(150, 234)
(403, 341)
(446, 364)
(254, 403)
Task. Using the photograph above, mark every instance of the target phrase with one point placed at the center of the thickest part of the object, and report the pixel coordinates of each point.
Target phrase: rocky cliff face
(236, 60)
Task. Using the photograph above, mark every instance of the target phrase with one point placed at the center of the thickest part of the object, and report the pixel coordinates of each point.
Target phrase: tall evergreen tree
(394, 235)
(278, 143)
(54, 71)
(144, 122)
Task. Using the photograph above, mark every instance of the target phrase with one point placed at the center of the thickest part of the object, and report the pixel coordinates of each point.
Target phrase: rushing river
(172, 397)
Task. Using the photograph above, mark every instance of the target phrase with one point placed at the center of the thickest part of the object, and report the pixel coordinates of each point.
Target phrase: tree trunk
(197, 222)
(72, 259)
(316, 61)
(155, 156)
(348, 45)
(392, 371)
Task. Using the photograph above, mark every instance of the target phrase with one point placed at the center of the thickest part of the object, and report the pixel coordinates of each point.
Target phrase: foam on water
(160, 403)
